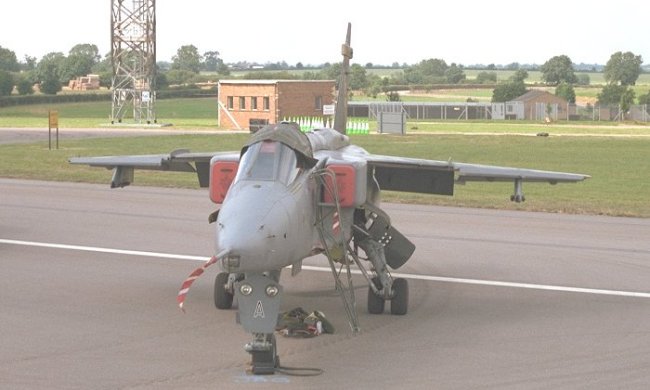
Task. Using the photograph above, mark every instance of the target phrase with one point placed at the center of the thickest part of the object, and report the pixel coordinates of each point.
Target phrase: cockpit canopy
(271, 161)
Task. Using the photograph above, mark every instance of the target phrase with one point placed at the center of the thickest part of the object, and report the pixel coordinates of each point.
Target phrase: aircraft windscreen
(269, 160)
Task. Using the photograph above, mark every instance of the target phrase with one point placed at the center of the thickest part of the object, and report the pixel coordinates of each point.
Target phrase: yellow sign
(54, 119)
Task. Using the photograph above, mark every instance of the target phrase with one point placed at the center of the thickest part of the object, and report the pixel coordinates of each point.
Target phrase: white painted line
(104, 250)
(357, 272)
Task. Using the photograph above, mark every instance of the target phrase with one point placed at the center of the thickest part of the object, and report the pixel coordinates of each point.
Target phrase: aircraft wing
(438, 177)
(181, 160)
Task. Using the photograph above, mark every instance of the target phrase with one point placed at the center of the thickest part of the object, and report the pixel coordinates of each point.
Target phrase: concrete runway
(573, 311)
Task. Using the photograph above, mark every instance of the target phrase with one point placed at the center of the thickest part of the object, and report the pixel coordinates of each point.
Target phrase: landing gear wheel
(266, 362)
(400, 302)
(222, 297)
(375, 302)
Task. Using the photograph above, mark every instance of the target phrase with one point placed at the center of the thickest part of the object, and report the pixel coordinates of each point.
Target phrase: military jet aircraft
(289, 195)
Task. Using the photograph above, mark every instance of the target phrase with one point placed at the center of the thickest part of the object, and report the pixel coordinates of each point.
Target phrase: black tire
(222, 298)
(375, 302)
(400, 303)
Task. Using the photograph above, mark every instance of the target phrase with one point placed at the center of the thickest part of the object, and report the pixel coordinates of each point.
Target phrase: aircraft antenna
(133, 55)
(341, 115)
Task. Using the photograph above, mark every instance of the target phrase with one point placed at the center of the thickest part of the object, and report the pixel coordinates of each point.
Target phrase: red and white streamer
(185, 287)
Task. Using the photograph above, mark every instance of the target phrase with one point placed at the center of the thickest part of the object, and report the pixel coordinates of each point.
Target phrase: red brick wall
(286, 99)
(299, 98)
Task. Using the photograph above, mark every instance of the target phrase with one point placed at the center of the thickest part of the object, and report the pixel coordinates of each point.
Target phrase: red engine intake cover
(222, 173)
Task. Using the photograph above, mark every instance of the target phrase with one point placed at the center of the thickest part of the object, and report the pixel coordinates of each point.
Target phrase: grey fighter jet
(290, 195)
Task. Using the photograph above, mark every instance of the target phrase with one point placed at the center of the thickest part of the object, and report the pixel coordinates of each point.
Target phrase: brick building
(251, 103)
(538, 105)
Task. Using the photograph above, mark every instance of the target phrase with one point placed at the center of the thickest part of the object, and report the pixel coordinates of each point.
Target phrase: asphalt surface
(80, 317)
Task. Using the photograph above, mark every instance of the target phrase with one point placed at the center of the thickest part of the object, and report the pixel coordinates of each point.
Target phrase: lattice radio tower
(133, 55)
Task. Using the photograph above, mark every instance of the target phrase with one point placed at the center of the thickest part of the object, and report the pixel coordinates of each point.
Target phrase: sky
(383, 32)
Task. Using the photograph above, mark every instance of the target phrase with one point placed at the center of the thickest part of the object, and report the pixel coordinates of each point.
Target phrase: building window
(230, 103)
(318, 103)
(267, 103)
(242, 103)
(253, 103)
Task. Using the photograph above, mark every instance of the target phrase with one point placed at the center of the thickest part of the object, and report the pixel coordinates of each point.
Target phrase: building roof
(534, 94)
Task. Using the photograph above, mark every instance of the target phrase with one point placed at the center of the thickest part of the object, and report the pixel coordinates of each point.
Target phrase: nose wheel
(223, 295)
(399, 298)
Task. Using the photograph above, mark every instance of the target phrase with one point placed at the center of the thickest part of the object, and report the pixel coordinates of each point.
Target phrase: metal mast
(133, 55)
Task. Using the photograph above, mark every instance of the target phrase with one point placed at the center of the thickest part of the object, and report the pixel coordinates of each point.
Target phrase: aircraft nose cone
(254, 232)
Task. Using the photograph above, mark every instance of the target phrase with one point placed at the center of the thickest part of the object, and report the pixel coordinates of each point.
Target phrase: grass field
(616, 155)
(183, 113)
(620, 166)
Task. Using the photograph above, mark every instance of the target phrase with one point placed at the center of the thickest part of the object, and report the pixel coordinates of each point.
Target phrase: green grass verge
(182, 113)
(620, 166)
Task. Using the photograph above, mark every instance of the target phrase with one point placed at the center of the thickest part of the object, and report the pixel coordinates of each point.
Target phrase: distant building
(540, 105)
(249, 104)
(84, 83)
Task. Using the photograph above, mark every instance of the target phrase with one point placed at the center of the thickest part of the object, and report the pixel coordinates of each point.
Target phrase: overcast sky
(403, 31)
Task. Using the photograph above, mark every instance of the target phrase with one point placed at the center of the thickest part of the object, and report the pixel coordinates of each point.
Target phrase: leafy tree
(519, 76)
(211, 61)
(557, 70)
(455, 74)
(25, 86)
(80, 60)
(358, 77)
(50, 71)
(299, 65)
(511, 89)
(28, 64)
(508, 91)
(486, 77)
(611, 94)
(566, 91)
(187, 59)
(6, 83)
(8, 60)
(104, 65)
(627, 100)
(431, 71)
(178, 77)
(623, 68)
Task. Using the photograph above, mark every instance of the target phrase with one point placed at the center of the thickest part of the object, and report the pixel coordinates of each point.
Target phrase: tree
(25, 86)
(455, 74)
(627, 100)
(8, 60)
(566, 91)
(211, 61)
(611, 94)
(623, 68)
(508, 91)
(431, 71)
(511, 89)
(358, 77)
(6, 83)
(557, 70)
(187, 58)
(80, 60)
(49, 72)
(486, 77)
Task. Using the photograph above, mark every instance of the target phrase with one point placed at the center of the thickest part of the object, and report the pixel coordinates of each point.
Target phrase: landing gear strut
(264, 355)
